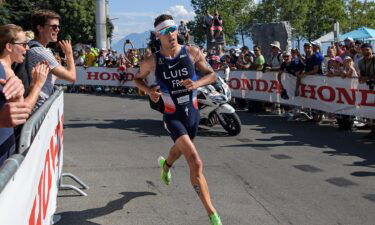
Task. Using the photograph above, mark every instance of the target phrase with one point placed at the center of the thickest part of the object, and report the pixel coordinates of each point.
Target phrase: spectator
(366, 64)
(13, 110)
(292, 66)
(348, 70)
(183, 31)
(259, 59)
(339, 48)
(226, 67)
(358, 54)
(313, 61)
(102, 58)
(46, 26)
(331, 54)
(208, 20)
(132, 59)
(233, 58)
(244, 61)
(216, 27)
(80, 59)
(91, 57)
(367, 75)
(275, 60)
(349, 47)
(335, 67)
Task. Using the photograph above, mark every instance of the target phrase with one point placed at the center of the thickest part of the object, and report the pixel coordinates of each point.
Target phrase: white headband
(165, 24)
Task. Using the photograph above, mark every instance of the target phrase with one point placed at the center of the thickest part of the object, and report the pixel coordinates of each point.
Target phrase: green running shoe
(215, 219)
(165, 177)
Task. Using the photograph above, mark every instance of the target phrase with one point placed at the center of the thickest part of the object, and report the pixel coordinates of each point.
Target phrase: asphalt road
(274, 172)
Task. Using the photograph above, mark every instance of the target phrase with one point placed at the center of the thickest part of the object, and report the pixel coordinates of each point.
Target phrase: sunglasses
(168, 30)
(54, 26)
(23, 44)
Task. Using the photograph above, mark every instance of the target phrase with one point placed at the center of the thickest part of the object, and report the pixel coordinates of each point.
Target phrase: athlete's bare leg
(187, 148)
(173, 155)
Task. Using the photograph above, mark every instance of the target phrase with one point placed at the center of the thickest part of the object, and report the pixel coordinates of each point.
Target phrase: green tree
(360, 13)
(77, 17)
(232, 12)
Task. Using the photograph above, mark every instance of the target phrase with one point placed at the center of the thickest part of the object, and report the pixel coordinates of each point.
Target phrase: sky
(137, 16)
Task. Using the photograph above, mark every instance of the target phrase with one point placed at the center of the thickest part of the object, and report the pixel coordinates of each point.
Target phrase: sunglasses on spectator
(53, 26)
(23, 44)
(168, 30)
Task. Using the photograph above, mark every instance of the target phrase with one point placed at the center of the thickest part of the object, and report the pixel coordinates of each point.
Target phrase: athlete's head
(166, 30)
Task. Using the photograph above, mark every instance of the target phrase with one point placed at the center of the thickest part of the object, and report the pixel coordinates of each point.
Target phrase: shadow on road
(204, 132)
(83, 217)
(142, 126)
(287, 133)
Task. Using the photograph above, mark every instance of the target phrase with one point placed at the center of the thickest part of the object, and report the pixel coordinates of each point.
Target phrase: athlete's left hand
(189, 84)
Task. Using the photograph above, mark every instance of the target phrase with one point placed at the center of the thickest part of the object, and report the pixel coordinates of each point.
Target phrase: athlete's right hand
(154, 94)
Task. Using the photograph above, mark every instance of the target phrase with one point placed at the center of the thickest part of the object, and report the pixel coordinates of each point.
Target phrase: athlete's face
(168, 37)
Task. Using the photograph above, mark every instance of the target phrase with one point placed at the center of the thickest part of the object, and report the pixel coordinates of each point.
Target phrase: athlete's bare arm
(147, 66)
(202, 65)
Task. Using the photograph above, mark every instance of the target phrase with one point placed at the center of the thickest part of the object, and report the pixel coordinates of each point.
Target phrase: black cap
(366, 45)
(245, 48)
(307, 44)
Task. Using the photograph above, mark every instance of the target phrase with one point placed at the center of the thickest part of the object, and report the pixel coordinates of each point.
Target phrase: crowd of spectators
(91, 57)
(348, 60)
(28, 71)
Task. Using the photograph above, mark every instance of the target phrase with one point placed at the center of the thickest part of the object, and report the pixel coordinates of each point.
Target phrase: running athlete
(174, 69)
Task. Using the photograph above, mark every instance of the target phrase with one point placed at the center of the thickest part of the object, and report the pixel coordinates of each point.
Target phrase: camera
(371, 84)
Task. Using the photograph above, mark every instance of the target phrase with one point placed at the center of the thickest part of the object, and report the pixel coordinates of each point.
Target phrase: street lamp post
(100, 19)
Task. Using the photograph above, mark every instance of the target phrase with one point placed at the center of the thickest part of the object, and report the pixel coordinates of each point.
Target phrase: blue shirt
(315, 60)
(7, 141)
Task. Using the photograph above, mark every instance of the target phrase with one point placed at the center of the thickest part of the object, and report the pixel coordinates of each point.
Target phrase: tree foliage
(77, 17)
(232, 12)
(310, 19)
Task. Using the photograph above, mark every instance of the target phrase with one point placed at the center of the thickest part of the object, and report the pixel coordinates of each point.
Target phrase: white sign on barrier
(30, 197)
(103, 76)
(336, 95)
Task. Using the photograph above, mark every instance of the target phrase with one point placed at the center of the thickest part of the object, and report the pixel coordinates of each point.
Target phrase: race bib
(183, 99)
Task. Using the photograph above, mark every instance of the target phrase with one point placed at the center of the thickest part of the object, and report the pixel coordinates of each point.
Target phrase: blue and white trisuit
(181, 115)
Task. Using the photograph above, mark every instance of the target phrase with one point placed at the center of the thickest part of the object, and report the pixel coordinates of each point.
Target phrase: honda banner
(335, 95)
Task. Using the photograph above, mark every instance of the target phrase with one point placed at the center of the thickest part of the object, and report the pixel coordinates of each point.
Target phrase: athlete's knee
(195, 163)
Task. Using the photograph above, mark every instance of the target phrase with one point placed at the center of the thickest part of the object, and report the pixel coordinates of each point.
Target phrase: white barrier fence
(30, 197)
(335, 95)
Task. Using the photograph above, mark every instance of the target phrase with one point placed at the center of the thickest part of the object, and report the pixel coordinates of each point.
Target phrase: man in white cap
(316, 50)
(349, 48)
(275, 60)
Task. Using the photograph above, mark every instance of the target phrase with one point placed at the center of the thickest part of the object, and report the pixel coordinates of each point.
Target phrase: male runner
(174, 68)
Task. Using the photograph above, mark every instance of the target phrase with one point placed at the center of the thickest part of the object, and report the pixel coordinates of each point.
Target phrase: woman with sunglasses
(174, 68)
(13, 110)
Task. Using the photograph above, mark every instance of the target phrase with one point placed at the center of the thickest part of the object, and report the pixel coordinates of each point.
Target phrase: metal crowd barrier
(29, 130)
(28, 133)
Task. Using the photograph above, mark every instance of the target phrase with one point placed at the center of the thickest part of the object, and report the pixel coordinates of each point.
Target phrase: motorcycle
(214, 108)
